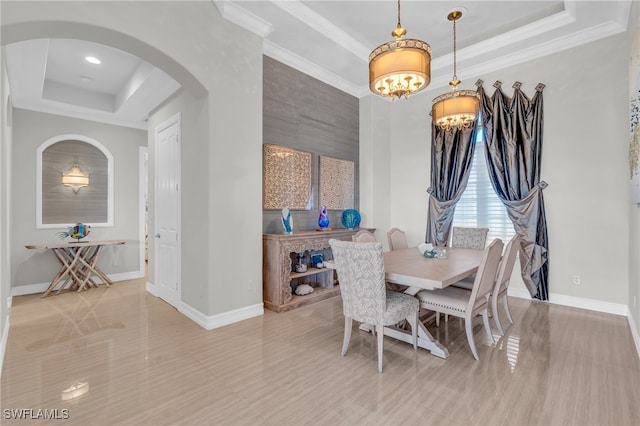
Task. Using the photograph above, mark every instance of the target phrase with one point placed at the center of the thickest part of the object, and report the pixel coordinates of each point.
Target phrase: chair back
(473, 238)
(506, 264)
(397, 239)
(486, 276)
(363, 236)
(360, 267)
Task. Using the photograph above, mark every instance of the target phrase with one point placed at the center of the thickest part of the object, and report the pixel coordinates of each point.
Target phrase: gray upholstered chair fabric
(364, 296)
(474, 238)
(468, 304)
(363, 236)
(397, 239)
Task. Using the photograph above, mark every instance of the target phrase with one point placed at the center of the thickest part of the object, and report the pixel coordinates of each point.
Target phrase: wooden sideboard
(277, 267)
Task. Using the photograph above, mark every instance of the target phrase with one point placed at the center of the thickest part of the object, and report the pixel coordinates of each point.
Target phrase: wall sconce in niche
(75, 178)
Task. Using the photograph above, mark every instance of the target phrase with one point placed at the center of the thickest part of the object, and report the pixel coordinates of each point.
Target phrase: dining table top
(411, 268)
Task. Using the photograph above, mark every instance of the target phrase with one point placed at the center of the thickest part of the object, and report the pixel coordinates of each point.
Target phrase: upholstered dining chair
(462, 237)
(363, 236)
(364, 295)
(502, 282)
(474, 238)
(468, 304)
(501, 286)
(397, 239)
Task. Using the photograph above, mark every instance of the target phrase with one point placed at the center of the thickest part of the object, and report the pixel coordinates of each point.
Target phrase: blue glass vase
(350, 218)
(287, 222)
(323, 220)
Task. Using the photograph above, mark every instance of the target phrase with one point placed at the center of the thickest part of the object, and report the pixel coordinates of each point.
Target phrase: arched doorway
(13, 33)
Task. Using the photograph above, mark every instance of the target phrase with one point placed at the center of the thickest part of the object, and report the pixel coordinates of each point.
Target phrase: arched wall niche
(58, 205)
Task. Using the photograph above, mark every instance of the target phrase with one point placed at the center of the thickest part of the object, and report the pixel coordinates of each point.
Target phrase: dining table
(409, 267)
(79, 264)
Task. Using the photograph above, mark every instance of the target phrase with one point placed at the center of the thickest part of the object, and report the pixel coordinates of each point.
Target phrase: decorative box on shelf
(278, 272)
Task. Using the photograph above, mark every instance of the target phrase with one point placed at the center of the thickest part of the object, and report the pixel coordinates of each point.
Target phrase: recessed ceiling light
(92, 60)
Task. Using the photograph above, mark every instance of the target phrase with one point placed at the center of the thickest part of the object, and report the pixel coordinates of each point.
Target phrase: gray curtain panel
(513, 130)
(451, 157)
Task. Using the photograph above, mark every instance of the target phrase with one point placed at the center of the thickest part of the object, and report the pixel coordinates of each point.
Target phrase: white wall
(193, 116)
(6, 143)
(375, 163)
(584, 161)
(634, 209)
(32, 129)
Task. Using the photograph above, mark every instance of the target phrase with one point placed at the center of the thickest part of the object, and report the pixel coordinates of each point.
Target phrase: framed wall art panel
(286, 178)
(336, 183)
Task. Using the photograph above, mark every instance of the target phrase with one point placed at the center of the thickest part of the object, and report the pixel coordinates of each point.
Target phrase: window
(479, 206)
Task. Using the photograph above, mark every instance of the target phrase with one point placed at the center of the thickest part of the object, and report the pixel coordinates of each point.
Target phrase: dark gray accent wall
(306, 114)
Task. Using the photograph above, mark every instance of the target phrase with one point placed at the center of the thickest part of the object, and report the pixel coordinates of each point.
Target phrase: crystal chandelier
(458, 108)
(400, 67)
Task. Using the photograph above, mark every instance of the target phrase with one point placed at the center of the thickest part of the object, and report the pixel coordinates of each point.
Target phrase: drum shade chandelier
(400, 67)
(458, 108)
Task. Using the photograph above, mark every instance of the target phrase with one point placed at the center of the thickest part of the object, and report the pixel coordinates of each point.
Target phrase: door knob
(157, 235)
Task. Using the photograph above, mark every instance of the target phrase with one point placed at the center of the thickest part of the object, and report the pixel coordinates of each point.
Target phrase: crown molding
(67, 110)
(518, 35)
(576, 39)
(243, 18)
(325, 27)
(294, 61)
(484, 51)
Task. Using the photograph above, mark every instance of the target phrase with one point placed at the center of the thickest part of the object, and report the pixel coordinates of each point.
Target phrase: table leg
(84, 269)
(89, 262)
(425, 339)
(75, 267)
(61, 273)
(67, 259)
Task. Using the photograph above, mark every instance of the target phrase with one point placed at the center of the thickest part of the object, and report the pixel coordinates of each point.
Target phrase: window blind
(479, 206)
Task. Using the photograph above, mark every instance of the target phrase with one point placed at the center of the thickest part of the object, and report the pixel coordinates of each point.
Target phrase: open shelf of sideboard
(277, 274)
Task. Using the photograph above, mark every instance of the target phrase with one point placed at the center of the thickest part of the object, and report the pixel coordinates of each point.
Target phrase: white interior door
(167, 211)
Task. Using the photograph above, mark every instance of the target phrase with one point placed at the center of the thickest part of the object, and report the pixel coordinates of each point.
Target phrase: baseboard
(126, 276)
(219, 320)
(576, 302)
(23, 290)
(151, 288)
(590, 304)
(3, 343)
(213, 321)
(634, 331)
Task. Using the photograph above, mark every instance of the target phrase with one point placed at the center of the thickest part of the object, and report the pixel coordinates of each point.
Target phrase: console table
(277, 265)
(78, 262)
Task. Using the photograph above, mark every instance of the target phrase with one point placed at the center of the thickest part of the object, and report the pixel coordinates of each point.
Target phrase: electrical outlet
(576, 279)
(250, 286)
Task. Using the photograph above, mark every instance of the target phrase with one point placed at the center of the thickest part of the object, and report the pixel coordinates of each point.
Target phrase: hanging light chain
(457, 109)
(455, 70)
